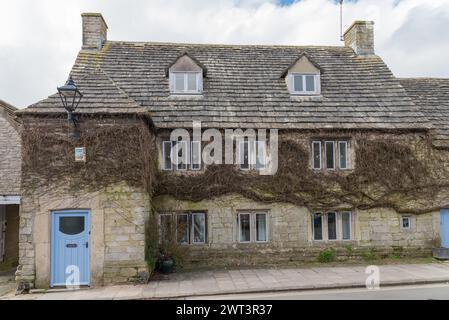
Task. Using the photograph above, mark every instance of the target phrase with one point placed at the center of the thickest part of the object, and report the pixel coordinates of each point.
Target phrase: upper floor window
(303, 77)
(252, 155)
(302, 83)
(186, 75)
(186, 82)
(330, 154)
(181, 155)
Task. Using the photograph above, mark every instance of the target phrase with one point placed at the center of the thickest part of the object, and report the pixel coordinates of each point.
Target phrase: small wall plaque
(80, 154)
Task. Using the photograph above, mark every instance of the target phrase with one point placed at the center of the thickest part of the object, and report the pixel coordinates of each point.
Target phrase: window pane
(405, 222)
(244, 154)
(166, 227)
(317, 227)
(316, 146)
(191, 82)
(261, 155)
(297, 83)
(199, 228)
(179, 81)
(180, 152)
(182, 228)
(346, 225)
(245, 228)
(330, 155)
(71, 225)
(196, 155)
(331, 226)
(261, 227)
(343, 154)
(310, 83)
(166, 150)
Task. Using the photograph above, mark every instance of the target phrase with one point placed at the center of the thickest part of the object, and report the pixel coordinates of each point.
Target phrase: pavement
(221, 282)
(7, 282)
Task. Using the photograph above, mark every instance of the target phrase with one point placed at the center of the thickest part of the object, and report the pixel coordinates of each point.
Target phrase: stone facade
(375, 232)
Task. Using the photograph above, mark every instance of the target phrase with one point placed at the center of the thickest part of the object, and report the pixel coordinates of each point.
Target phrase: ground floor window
(252, 227)
(332, 225)
(406, 222)
(183, 227)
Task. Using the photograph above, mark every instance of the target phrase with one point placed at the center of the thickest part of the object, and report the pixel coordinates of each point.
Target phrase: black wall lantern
(70, 97)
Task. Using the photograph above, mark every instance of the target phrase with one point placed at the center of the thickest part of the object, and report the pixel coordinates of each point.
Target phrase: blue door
(70, 248)
(444, 228)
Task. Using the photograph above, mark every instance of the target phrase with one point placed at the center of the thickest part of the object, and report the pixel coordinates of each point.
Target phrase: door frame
(2, 231)
(53, 233)
(444, 211)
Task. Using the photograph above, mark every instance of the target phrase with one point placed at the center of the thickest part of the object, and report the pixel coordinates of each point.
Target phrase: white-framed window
(252, 227)
(195, 155)
(186, 82)
(406, 222)
(304, 83)
(167, 163)
(332, 226)
(343, 154)
(252, 155)
(179, 155)
(346, 225)
(183, 227)
(330, 154)
(198, 228)
(316, 155)
(317, 226)
(329, 149)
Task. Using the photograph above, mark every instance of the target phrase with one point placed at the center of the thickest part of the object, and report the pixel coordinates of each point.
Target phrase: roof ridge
(226, 44)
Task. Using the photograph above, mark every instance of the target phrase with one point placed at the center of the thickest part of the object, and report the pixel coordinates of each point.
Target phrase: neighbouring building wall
(10, 157)
(290, 233)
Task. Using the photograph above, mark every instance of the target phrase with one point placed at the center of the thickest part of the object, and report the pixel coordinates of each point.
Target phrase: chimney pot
(95, 31)
(360, 37)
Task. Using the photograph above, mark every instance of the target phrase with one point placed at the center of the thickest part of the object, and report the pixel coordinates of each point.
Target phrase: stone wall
(375, 233)
(10, 157)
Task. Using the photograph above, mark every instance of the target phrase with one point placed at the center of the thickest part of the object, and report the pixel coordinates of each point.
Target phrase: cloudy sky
(39, 40)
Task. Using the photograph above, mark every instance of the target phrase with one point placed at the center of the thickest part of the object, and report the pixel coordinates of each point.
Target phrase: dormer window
(303, 83)
(186, 76)
(303, 77)
(186, 82)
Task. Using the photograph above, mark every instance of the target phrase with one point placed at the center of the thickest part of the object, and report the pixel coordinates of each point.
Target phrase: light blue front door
(70, 248)
(444, 228)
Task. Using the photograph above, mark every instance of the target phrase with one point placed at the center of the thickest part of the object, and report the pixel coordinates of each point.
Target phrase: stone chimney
(95, 31)
(360, 37)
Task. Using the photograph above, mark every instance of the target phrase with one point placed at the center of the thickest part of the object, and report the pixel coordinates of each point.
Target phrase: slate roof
(243, 87)
(9, 113)
(432, 96)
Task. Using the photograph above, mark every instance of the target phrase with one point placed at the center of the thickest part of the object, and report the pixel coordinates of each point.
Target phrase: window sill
(183, 96)
(306, 97)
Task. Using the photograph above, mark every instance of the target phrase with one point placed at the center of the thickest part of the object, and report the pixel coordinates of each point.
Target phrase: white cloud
(39, 40)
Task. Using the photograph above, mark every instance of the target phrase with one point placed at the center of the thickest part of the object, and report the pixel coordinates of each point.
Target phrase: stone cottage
(9, 186)
(359, 156)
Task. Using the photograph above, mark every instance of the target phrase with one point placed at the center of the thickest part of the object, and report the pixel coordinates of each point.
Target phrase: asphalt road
(421, 292)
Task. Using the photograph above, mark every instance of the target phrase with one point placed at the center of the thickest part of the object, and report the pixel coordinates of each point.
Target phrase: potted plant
(165, 263)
